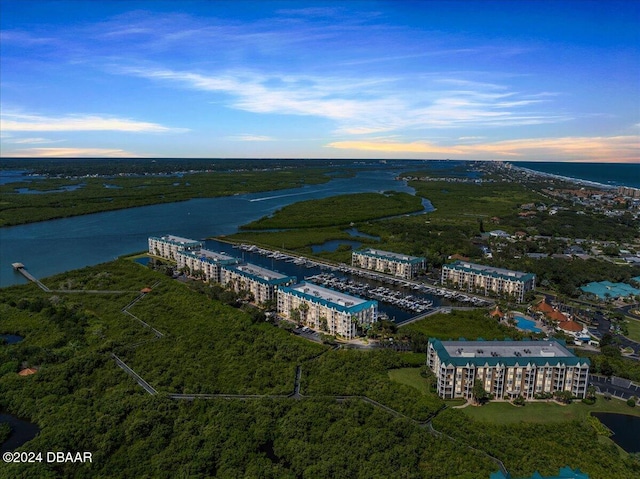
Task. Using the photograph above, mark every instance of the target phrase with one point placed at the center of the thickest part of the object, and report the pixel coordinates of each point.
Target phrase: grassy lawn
(633, 325)
(410, 377)
(543, 413)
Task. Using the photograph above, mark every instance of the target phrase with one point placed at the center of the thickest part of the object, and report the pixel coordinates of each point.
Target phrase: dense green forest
(53, 167)
(528, 446)
(101, 194)
(339, 210)
(83, 402)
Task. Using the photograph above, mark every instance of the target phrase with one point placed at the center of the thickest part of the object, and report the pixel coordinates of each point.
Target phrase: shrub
(631, 402)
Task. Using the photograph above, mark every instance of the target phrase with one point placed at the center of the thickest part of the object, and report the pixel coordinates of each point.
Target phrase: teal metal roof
(355, 308)
(177, 240)
(261, 275)
(211, 257)
(399, 257)
(491, 271)
(604, 289)
(567, 359)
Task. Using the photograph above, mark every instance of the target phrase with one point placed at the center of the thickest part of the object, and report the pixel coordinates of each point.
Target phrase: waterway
(626, 429)
(50, 247)
(21, 432)
(301, 272)
(10, 338)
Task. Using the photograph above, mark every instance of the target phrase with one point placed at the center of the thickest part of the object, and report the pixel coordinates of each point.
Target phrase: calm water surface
(10, 338)
(21, 432)
(55, 246)
(626, 429)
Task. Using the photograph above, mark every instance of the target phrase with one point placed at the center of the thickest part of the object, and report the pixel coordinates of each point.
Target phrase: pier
(20, 268)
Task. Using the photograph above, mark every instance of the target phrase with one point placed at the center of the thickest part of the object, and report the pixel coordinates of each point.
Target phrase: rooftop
(259, 273)
(491, 270)
(327, 294)
(330, 297)
(211, 255)
(507, 352)
(176, 239)
(606, 289)
(390, 255)
(480, 349)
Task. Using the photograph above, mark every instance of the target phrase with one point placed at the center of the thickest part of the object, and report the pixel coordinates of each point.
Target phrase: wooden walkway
(20, 268)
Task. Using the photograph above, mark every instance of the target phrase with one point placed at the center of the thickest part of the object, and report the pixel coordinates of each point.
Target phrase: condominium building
(401, 265)
(324, 309)
(506, 368)
(207, 263)
(261, 282)
(169, 245)
(478, 278)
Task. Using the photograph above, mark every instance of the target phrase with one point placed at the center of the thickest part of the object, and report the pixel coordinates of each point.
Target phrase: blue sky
(461, 79)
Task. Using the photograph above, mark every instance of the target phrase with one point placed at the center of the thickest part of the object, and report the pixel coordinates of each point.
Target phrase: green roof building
(482, 279)
(396, 264)
(506, 369)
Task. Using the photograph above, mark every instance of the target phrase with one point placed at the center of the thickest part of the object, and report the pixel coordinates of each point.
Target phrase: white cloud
(70, 153)
(364, 106)
(31, 140)
(248, 137)
(10, 121)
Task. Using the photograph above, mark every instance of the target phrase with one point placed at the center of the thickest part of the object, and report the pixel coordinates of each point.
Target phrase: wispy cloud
(29, 122)
(70, 153)
(248, 137)
(362, 106)
(30, 141)
(613, 148)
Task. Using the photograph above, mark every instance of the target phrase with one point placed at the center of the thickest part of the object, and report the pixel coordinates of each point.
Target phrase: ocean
(611, 174)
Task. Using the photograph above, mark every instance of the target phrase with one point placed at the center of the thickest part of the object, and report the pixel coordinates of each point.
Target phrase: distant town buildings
(506, 369)
(324, 309)
(261, 282)
(485, 279)
(401, 265)
(168, 246)
(629, 192)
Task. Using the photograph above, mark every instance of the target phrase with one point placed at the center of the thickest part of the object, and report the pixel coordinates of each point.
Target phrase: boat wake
(281, 196)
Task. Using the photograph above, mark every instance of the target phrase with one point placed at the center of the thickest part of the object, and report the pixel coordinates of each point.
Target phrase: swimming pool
(526, 324)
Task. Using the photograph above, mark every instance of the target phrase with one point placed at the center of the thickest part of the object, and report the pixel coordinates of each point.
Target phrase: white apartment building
(169, 245)
(506, 369)
(326, 310)
(208, 263)
(477, 278)
(396, 264)
(261, 282)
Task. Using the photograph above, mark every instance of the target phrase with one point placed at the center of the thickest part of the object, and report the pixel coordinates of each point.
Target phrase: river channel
(51, 247)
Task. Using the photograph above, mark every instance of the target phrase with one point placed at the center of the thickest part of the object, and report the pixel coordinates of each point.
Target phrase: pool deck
(538, 324)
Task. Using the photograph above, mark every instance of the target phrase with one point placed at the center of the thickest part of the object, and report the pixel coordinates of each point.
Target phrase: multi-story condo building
(484, 279)
(169, 245)
(506, 368)
(207, 263)
(397, 264)
(261, 282)
(324, 309)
